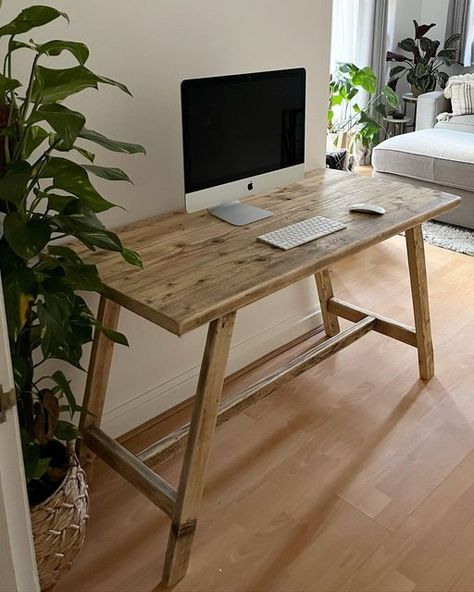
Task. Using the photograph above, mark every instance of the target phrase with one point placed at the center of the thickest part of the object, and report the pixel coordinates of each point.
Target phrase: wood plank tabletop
(197, 268)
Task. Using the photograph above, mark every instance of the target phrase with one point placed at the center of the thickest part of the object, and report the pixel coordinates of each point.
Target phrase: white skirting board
(141, 408)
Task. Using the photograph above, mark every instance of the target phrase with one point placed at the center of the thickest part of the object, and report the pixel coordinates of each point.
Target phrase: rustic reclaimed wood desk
(200, 271)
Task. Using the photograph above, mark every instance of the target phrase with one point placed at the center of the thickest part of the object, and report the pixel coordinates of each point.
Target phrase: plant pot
(59, 525)
(338, 141)
(416, 92)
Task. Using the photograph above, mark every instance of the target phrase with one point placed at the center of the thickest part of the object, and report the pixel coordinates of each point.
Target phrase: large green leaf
(73, 178)
(7, 85)
(109, 173)
(26, 238)
(13, 185)
(56, 85)
(53, 85)
(34, 137)
(56, 47)
(65, 388)
(112, 145)
(65, 122)
(366, 79)
(88, 229)
(31, 17)
(391, 97)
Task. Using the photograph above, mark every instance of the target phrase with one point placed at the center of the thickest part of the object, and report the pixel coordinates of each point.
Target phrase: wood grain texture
(394, 329)
(421, 303)
(126, 464)
(198, 268)
(354, 477)
(98, 376)
(203, 423)
(325, 293)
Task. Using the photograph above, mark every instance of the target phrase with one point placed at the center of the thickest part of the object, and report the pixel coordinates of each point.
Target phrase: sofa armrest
(430, 105)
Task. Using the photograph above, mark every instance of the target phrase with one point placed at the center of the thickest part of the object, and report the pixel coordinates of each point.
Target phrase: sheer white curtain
(352, 32)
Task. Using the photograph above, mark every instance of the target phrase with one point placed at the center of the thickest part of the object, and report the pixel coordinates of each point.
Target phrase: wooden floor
(354, 477)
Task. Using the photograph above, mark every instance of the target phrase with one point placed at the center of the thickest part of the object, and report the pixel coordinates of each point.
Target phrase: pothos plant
(46, 197)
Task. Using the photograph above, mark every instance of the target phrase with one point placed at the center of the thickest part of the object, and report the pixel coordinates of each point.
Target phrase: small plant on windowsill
(45, 198)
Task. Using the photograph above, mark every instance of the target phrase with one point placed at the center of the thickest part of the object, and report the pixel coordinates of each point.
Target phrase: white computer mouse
(367, 208)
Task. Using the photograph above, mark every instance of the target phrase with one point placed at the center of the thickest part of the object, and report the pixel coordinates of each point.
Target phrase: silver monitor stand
(239, 214)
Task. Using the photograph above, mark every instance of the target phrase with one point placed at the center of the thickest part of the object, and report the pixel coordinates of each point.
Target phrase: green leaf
(30, 18)
(396, 70)
(89, 230)
(72, 177)
(57, 202)
(34, 137)
(391, 97)
(115, 336)
(408, 45)
(132, 257)
(58, 337)
(452, 41)
(112, 145)
(66, 431)
(65, 387)
(65, 253)
(26, 238)
(56, 47)
(19, 288)
(7, 85)
(366, 79)
(65, 122)
(13, 185)
(109, 173)
(83, 277)
(53, 85)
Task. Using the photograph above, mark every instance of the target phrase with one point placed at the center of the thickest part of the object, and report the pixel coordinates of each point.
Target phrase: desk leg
(98, 376)
(419, 289)
(325, 292)
(202, 428)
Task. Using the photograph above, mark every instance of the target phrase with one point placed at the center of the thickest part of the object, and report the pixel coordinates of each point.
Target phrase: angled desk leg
(98, 376)
(419, 289)
(325, 292)
(202, 428)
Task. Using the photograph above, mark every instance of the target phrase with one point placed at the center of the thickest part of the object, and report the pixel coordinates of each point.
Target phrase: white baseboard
(145, 406)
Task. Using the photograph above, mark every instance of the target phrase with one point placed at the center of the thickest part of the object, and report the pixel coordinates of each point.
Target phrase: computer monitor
(242, 135)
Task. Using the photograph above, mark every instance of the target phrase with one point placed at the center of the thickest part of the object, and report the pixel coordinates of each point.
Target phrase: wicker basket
(59, 526)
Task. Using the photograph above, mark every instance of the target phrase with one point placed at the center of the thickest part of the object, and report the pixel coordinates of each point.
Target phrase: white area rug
(449, 237)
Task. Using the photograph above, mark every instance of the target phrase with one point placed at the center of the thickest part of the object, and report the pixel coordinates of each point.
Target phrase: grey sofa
(439, 155)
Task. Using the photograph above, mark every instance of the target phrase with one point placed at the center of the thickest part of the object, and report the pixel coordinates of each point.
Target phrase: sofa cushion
(460, 123)
(440, 156)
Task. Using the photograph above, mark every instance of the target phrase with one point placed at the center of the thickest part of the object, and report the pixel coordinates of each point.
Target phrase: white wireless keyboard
(301, 233)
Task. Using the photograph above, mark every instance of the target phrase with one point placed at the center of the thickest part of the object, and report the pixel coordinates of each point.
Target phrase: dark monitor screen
(236, 127)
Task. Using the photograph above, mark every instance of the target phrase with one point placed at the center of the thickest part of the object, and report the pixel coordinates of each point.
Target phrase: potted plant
(46, 197)
(348, 121)
(423, 68)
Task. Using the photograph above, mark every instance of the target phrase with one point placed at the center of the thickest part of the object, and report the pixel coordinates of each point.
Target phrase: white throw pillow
(460, 90)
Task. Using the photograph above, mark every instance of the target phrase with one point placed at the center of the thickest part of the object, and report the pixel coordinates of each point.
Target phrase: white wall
(153, 45)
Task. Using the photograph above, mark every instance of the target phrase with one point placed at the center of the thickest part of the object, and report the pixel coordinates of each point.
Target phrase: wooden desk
(199, 271)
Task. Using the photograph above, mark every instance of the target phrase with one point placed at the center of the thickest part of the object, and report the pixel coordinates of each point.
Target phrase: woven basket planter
(59, 526)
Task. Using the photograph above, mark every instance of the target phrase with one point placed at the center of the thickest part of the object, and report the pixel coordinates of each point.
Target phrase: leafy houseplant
(347, 120)
(423, 67)
(46, 197)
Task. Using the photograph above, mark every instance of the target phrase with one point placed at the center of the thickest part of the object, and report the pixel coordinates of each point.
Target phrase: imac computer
(242, 135)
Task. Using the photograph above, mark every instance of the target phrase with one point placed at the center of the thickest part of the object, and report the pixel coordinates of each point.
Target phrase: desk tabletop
(197, 268)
